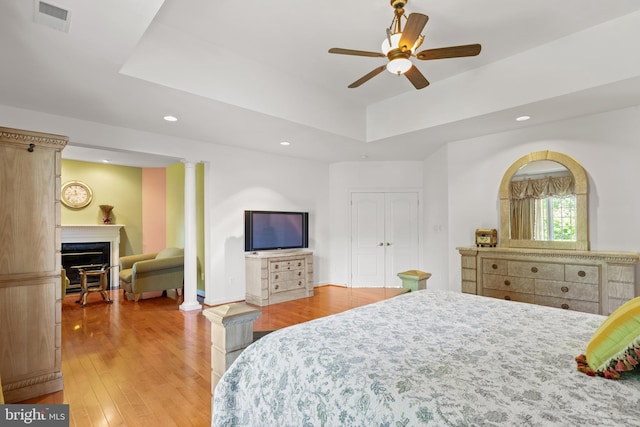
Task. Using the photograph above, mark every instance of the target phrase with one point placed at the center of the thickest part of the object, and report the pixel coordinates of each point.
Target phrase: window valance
(556, 186)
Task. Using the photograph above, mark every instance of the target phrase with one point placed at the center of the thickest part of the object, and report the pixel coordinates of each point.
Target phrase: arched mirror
(543, 203)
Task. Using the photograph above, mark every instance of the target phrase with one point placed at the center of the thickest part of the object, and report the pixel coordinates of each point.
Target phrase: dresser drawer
(568, 304)
(277, 276)
(510, 296)
(523, 285)
(536, 270)
(494, 266)
(285, 275)
(582, 273)
(286, 265)
(577, 291)
(589, 281)
(286, 285)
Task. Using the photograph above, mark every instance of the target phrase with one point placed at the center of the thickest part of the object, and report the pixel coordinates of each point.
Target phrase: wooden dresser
(30, 270)
(589, 281)
(278, 276)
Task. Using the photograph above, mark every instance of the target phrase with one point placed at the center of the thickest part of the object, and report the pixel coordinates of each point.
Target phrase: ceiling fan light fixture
(399, 66)
(401, 43)
(395, 39)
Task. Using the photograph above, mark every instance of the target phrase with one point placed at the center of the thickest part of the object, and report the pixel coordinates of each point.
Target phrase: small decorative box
(486, 237)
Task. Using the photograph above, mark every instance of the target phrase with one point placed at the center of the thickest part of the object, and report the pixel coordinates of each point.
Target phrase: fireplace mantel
(86, 233)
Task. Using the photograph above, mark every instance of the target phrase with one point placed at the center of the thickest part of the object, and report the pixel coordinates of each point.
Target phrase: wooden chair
(87, 287)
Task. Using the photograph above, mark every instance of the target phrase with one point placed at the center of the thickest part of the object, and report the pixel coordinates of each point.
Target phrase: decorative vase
(106, 213)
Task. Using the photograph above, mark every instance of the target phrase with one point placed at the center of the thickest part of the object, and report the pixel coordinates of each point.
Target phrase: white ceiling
(254, 73)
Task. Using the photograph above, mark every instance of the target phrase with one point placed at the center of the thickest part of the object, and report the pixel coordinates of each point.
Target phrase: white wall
(436, 221)
(347, 177)
(242, 180)
(605, 144)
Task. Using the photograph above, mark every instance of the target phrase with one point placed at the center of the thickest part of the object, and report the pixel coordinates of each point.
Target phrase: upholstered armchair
(157, 271)
(64, 282)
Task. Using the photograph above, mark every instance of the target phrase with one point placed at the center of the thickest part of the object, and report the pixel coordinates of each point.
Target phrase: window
(555, 218)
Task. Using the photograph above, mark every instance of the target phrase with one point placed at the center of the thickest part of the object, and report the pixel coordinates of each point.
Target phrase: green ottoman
(414, 279)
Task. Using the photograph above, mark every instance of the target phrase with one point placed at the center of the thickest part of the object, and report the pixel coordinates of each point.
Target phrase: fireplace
(87, 256)
(91, 234)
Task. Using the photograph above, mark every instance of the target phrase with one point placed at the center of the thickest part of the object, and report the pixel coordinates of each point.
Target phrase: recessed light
(105, 161)
(285, 143)
(364, 156)
(171, 118)
(522, 118)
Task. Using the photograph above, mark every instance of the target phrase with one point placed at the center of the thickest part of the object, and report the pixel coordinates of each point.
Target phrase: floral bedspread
(432, 358)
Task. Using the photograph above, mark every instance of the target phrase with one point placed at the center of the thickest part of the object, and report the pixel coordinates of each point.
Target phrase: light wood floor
(148, 363)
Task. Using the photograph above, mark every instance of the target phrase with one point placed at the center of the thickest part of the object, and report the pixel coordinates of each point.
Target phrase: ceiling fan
(400, 45)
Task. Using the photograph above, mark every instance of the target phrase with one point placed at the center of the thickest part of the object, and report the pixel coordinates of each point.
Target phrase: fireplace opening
(88, 256)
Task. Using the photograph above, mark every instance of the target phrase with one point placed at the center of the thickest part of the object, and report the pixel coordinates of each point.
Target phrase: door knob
(388, 244)
(380, 244)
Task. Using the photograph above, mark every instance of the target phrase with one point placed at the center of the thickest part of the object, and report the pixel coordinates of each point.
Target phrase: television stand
(278, 276)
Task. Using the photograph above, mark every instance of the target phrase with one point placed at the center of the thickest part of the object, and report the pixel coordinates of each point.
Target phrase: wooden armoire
(30, 280)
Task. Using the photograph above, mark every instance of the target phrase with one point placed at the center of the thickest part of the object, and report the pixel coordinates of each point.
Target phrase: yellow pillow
(615, 346)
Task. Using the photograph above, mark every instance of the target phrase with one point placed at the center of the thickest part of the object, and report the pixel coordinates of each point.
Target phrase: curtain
(522, 218)
(524, 194)
(541, 231)
(558, 186)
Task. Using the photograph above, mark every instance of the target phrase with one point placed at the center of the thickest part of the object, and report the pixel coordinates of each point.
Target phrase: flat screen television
(267, 230)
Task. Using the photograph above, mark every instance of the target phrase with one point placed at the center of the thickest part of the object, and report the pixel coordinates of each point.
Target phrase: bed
(429, 357)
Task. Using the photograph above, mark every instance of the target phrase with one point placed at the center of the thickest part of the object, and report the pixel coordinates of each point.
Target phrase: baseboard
(224, 301)
(32, 387)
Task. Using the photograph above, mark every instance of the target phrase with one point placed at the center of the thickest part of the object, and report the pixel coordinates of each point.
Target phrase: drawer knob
(494, 266)
(299, 273)
(277, 277)
(277, 266)
(507, 283)
(300, 283)
(565, 306)
(564, 289)
(299, 264)
(581, 273)
(276, 286)
(507, 297)
(534, 269)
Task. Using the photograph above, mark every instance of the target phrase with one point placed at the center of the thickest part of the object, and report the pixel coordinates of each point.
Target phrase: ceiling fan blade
(356, 52)
(412, 29)
(450, 52)
(416, 78)
(367, 77)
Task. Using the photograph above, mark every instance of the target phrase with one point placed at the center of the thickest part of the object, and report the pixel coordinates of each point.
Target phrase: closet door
(367, 239)
(401, 235)
(384, 237)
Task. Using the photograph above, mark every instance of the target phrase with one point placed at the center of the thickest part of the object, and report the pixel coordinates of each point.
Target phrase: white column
(190, 301)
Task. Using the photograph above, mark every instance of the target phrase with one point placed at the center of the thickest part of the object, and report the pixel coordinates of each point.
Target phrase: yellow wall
(175, 205)
(118, 186)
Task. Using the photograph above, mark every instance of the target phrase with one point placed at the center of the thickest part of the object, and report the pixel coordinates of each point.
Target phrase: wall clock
(76, 194)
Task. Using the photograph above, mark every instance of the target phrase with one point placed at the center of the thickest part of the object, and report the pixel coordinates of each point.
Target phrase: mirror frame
(581, 187)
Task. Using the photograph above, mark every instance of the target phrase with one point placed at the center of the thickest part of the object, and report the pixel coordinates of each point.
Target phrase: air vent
(51, 15)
